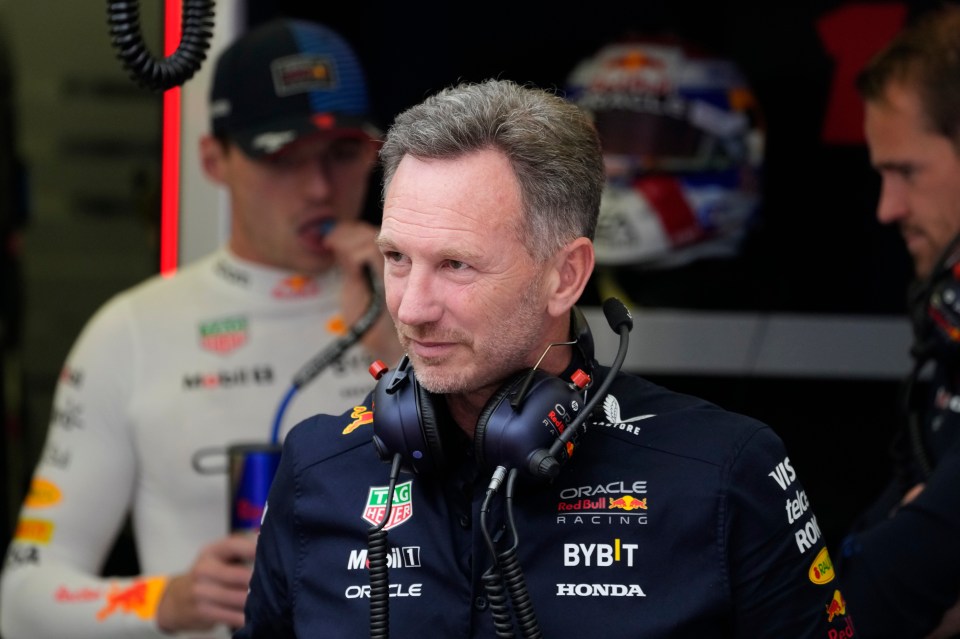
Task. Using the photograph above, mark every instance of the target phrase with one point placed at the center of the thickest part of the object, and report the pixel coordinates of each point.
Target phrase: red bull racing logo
(628, 502)
(139, 598)
(837, 606)
(295, 286)
(594, 504)
(360, 417)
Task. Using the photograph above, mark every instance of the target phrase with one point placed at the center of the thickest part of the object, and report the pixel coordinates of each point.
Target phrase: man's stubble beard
(507, 351)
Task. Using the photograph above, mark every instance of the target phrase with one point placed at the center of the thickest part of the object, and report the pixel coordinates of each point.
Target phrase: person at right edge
(900, 563)
(670, 518)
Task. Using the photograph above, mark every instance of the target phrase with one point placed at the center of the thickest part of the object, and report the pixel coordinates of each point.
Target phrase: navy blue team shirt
(673, 518)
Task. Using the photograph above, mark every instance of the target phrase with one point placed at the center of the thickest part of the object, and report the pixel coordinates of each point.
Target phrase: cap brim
(274, 138)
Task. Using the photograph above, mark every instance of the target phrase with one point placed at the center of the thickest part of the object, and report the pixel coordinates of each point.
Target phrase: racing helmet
(682, 138)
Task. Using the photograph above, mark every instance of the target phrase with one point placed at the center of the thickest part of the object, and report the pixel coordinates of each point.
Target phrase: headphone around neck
(527, 414)
(935, 309)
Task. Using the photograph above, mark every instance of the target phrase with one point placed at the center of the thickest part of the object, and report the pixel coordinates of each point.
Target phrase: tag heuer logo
(223, 336)
(400, 510)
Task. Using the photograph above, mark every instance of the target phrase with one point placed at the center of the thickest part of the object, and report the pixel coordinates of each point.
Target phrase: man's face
(920, 173)
(282, 205)
(466, 296)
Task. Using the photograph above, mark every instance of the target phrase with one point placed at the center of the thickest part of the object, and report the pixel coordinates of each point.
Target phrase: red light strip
(170, 158)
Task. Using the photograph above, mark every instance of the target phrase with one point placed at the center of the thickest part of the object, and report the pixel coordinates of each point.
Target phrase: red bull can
(251, 470)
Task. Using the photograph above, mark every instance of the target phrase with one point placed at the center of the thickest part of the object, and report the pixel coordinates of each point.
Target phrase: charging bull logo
(360, 417)
(837, 606)
(140, 598)
(43, 493)
(628, 503)
(294, 287)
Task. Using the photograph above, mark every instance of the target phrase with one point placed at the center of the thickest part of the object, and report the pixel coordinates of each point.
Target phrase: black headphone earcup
(918, 298)
(511, 435)
(524, 417)
(934, 306)
(430, 426)
(405, 421)
(935, 316)
(480, 433)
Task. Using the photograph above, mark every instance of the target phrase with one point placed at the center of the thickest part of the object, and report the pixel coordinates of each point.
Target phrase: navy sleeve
(782, 579)
(904, 572)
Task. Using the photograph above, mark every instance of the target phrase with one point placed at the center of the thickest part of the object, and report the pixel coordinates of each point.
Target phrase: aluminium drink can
(251, 470)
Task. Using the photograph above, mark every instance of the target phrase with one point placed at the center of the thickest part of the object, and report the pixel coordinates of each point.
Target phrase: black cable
(513, 573)
(913, 417)
(177, 68)
(357, 330)
(492, 579)
(377, 556)
(333, 351)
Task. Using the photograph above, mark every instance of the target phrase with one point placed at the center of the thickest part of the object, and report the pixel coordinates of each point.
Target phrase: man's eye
(457, 265)
(281, 161)
(345, 152)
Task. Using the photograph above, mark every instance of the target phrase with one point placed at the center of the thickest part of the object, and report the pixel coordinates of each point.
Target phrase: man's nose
(418, 299)
(892, 205)
(317, 176)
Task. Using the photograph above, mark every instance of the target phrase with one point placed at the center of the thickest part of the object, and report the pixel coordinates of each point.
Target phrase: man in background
(175, 367)
(901, 563)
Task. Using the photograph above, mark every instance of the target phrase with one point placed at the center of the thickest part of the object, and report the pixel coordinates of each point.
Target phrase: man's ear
(213, 158)
(573, 266)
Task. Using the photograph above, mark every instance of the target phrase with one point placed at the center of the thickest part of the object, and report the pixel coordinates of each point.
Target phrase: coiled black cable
(377, 556)
(175, 69)
(492, 579)
(497, 602)
(513, 574)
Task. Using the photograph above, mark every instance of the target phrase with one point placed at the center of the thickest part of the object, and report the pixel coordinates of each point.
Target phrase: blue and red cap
(285, 80)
